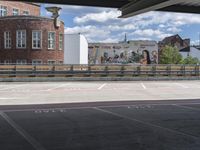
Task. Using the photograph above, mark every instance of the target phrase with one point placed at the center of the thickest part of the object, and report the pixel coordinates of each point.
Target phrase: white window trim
(6, 10)
(17, 40)
(26, 14)
(10, 38)
(21, 60)
(54, 42)
(9, 61)
(37, 60)
(13, 11)
(60, 41)
(60, 61)
(51, 60)
(40, 39)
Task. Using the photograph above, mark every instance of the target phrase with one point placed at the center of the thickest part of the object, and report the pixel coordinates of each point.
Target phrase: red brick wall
(34, 10)
(29, 24)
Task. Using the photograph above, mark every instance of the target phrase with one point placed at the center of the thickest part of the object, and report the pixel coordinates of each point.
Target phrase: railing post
(153, 69)
(138, 70)
(106, 70)
(89, 70)
(122, 70)
(168, 70)
(197, 70)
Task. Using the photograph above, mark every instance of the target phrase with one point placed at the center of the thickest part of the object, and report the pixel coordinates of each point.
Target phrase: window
(21, 39)
(36, 61)
(51, 62)
(60, 41)
(51, 40)
(60, 62)
(26, 13)
(7, 62)
(21, 61)
(3, 11)
(15, 12)
(36, 39)
(7, 39)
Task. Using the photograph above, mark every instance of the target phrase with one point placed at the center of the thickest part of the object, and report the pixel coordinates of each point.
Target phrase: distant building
(26, 37)
(175, 41)
(131, 52)
(193, 51)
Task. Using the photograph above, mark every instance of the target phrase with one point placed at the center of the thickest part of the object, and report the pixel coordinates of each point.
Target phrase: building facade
(29, 38)
(193, 51)
(175, 41)
(131, 52)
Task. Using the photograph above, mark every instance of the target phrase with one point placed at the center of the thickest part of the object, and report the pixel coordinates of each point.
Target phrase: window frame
(36, 60)
(15, 9)
(37, 39)
(51, 61)
(26, 14)
(9, 40)
(61, 41)
(21, 39)
(52, 48)
(3, 11)
(21, 60)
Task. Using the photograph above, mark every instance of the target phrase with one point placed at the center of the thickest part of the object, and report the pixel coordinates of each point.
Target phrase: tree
(170, 55)
(190, 60)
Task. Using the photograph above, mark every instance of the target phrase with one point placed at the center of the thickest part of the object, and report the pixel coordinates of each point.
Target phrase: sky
(104, 25)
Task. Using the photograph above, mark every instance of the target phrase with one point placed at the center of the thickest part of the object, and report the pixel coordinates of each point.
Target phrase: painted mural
(132, 52)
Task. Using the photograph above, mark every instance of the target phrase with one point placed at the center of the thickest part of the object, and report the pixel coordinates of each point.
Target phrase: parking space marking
(57, 87)
(181, 85)
(22, 132)
(101, 87)
(146, 123)
(143, 86)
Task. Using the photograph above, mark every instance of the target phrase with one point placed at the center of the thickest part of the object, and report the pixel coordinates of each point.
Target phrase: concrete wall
(75, 49)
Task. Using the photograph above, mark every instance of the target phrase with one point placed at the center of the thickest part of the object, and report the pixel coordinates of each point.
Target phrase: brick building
(26, 37)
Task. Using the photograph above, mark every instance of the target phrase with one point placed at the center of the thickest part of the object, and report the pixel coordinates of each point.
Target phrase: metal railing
(97, 70)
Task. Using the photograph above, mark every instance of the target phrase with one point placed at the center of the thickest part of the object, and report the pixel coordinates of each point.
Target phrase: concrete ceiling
(134, 7)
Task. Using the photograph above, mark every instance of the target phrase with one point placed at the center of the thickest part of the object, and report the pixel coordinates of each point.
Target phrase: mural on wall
(136, 52)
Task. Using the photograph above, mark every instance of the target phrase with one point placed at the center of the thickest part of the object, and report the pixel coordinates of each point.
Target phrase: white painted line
(10, 88)
(22, 132)
(181, 85)
(9, 98)
(103, 85)
(145, 123)
(57, 87)
(144, 87)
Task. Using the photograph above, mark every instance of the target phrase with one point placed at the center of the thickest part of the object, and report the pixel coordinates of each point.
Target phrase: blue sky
(103, 24)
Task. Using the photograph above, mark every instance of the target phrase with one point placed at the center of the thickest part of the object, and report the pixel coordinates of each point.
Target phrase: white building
(75, 49)
(145, 52)
(190, 51)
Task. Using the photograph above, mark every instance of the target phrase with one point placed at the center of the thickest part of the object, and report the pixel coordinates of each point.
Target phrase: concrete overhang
(134, 7)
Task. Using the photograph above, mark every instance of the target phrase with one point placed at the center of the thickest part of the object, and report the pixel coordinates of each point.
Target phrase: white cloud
(103, 16)
(103, 24)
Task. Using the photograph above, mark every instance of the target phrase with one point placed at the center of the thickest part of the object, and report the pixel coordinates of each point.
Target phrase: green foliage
(170, 55)
(190, 60)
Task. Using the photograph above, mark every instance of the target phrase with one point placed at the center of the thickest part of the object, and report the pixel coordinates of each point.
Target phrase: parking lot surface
(100, 116)
(77, 92)
(147, 125)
